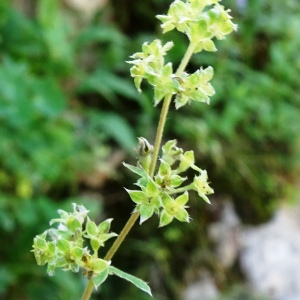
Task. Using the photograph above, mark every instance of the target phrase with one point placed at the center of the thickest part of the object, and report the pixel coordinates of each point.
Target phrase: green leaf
(99, 279)
(54, 31)
(108, 85)
(118, 128)
(102, 34)
(139, 283)
(136, 170)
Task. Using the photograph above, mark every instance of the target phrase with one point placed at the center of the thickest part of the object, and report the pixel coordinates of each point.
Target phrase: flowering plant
(162, 190)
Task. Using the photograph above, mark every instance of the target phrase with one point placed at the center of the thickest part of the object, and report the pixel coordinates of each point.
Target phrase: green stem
(185, 60)
(122, 235)
(90, 285)
(181, 190)
(159, 133)
(165, 110)
(88, 290)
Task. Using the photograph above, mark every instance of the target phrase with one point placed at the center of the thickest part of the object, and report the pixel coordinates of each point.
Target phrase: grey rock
(270, 256)
(203, 289)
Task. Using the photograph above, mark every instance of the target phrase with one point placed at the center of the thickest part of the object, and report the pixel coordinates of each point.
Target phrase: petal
(181, 100)
(146, 212)
(136, 196)
(177, 180)
(104, 226)
(209, 46)
(159, 94)
(91, 228)
(204, 197)
(165, 219)
(182, 216)
(167, 200)
(63, 245)
(99, 265)
(182, 199)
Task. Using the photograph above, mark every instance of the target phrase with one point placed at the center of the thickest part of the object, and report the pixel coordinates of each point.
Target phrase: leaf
(99, 279)
(114, 126)
(109, 85)
(136, 170)
(139, 283)
(54, 31)
(102, 34)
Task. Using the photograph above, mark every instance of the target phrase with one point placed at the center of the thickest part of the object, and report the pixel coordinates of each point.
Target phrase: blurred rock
(87, 8)
(270, 256)
(204, 289)
(225, 233)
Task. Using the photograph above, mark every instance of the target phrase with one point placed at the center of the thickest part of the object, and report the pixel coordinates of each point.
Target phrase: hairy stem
(159, 134)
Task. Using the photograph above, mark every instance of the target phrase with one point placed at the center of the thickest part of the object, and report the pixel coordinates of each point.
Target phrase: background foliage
(69, 115)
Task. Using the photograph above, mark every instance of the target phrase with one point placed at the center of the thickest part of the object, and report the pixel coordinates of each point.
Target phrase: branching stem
(159, 134)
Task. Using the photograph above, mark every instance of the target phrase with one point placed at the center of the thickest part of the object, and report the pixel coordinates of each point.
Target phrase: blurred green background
(69, 115)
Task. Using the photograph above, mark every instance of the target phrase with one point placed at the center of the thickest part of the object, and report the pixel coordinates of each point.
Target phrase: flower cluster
(156, 194)
(195, 87)
(149, 65)
(201, 26)
(63, 247)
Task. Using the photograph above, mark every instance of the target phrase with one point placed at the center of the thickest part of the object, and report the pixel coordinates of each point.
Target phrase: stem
(159, 133)
(181, 190)
(122, 235)
(165, 110)
(185, 60)
(90, 285)
(88, 290)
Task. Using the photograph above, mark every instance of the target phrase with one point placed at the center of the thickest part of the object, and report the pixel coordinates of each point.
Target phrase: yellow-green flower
(174, 209)
(201, 185)
(195, 87)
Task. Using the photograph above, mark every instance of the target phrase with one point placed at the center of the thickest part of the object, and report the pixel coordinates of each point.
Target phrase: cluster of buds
(156, 194)
(63, 247)
(201, 21)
